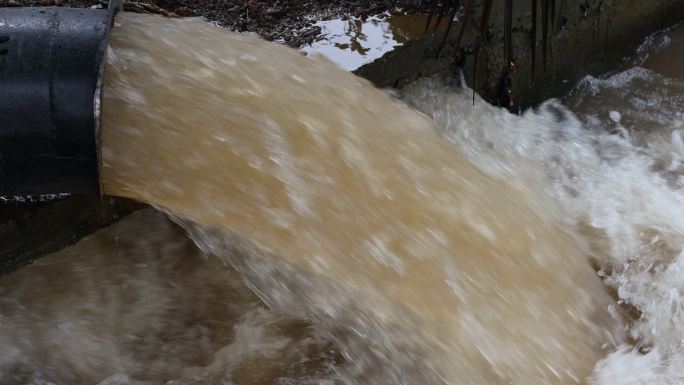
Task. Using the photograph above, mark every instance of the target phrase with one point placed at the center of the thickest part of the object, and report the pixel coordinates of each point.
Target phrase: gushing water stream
(383, 247)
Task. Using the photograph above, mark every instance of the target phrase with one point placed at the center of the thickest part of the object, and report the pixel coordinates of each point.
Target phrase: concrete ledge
(590, 37)
(29, 230)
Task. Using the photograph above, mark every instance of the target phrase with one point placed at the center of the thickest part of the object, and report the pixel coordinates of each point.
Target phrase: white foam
(621, 190)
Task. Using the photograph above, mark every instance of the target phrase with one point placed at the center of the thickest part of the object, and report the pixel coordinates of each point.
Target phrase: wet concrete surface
(588, 38)
(30, 229)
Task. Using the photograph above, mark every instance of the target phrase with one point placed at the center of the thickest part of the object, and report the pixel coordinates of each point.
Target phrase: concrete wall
(590, 37)
(31, 229)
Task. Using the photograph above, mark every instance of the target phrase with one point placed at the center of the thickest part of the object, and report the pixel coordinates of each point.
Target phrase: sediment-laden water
(342, 237)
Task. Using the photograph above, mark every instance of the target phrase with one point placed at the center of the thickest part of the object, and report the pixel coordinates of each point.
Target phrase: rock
(133, 7)
(183, 12)
(12, 3)
(46, 2)
(151, 8)
(276, 12)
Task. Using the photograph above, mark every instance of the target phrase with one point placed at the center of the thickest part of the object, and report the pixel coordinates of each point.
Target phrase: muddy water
(349, 210)
(378, 251)
(138, 303)
(610, 153)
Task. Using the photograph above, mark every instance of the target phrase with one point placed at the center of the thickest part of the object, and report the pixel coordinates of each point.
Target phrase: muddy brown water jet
(137, 303)
(348, 209)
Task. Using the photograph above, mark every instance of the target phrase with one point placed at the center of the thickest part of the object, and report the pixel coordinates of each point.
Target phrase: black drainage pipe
(51, 64)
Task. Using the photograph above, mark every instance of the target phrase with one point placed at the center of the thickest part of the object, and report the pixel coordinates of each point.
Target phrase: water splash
(122, 308)
(358, 217)
(384, 253)
(614, 163)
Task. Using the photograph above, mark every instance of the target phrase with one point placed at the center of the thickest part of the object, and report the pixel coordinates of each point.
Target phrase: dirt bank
(288, 21)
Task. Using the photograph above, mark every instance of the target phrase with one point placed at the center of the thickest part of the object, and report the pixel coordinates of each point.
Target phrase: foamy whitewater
(372, 251)
(611, 153)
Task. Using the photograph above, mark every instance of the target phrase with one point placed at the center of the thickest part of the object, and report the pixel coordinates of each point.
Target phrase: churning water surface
(342, 237)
